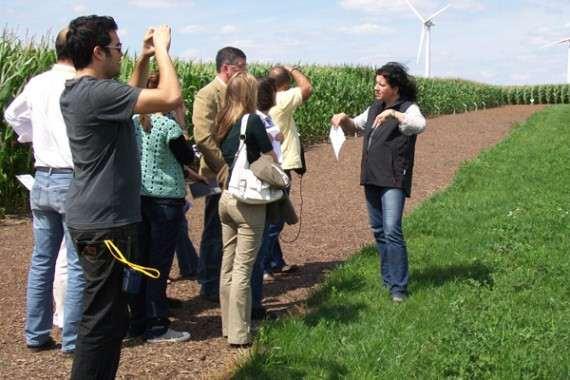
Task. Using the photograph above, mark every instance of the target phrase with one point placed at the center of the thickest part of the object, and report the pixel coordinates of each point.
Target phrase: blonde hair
(151, 82)
(240, 99)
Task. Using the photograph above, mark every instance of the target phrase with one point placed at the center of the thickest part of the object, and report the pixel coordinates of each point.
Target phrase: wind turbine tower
(425, 37)
(564, 41)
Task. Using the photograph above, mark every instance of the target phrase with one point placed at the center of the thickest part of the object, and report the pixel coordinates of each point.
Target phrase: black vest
(387, 154)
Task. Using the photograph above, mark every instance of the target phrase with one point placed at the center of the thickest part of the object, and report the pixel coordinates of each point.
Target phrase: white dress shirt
(414, 122)
(35, 115)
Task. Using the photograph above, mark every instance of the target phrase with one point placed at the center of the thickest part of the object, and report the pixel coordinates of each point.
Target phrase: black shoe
(243, 345)
(287, 269)
(259, 314)
(174, 303)
(211, 298)
(47, 345)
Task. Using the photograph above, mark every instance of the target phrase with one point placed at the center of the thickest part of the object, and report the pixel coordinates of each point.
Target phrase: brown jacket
(207, 104)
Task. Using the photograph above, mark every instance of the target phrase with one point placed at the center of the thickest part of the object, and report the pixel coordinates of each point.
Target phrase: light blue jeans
(47, 201)
(385, 210)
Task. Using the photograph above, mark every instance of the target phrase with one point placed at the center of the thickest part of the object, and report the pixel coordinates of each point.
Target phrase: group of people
(111, 161)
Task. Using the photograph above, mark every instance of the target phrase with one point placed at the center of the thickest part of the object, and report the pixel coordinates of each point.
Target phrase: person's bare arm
(302, 81)
(168, 95)
(140, 73)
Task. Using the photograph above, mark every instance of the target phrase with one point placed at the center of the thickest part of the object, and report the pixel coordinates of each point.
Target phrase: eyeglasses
(118, 47)
(242, 66)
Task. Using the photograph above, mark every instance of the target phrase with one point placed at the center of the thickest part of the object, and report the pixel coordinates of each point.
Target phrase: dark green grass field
(489, 287)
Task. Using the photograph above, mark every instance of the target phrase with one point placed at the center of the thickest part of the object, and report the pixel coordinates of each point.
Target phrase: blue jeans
(211, 249)
(158, 234)
(185, 251)
(269, 257)
(385, 210)
(47, 201)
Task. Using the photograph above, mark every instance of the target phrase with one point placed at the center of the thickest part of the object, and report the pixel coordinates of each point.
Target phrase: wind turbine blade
(557, 42)
(416, 11)
(422, 39)
(438, 12)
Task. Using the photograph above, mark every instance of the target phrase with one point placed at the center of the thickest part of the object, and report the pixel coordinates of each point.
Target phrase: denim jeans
(185, 251)
(385, 210)
(158, 234)
(105, 313)
(47, 201)
(268, 258)
(211, 249)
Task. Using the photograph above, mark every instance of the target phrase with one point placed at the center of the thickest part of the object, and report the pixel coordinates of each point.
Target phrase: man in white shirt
(287, 100)
(35, 115)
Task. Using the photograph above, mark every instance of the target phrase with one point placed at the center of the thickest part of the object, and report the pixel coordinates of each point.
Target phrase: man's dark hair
(265, 93)
(228, 56)
(280, 75)
(84, 34)
(397, 75)
(61, 50)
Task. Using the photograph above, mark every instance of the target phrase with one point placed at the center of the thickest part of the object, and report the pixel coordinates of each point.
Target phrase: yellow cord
(118, 255)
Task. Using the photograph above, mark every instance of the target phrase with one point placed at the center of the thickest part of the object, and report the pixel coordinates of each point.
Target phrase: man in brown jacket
(207, 103)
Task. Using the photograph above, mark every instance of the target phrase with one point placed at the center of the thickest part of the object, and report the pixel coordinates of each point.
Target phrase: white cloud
(228, 29)
(157, 4)
(425, 7)
(79, 8)
(189, 29)
(468, 5)
(123, 32)
(366, 28)
(190, 54)
(243, 44)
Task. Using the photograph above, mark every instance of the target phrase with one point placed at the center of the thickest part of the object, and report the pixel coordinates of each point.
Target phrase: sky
(495, 42)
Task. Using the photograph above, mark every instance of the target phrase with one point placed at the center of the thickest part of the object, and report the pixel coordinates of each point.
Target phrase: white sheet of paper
(27, 180)
(337, 138)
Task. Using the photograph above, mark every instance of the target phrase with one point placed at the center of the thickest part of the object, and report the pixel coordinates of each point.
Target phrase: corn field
(335, 89)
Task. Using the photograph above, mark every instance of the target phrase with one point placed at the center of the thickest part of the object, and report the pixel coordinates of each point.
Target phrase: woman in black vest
(390, 126)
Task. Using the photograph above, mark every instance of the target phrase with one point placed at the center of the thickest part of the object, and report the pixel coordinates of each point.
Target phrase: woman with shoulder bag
(242, 223)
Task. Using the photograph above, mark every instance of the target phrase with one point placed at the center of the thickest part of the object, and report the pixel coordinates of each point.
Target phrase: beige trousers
(242, 231)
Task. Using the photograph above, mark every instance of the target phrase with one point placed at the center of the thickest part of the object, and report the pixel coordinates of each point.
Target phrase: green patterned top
(161, 174)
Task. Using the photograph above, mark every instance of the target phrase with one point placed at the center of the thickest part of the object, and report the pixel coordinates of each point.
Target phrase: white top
(35, 115)
(414, 122)
(272, 130)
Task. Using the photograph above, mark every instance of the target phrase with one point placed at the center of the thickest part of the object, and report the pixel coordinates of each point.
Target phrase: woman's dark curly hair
(397, 75)
(266, 90)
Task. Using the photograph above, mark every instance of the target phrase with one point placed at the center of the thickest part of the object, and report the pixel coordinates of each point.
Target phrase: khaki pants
(242, 231)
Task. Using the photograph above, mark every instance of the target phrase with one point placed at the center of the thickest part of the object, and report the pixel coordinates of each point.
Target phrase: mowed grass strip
(490, 292)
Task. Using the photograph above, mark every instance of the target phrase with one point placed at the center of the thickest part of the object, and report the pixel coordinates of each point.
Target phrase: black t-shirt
(105, 191)
(256, 140)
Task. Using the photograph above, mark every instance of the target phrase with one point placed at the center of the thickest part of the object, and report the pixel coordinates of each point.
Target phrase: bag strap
(242, 130)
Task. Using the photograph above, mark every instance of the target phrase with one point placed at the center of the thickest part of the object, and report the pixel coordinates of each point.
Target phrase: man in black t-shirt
(103, 202)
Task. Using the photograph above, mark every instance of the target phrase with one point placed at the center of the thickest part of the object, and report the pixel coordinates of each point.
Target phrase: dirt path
(334, 226)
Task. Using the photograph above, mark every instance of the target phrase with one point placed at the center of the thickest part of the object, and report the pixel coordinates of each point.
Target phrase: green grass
(490, 297)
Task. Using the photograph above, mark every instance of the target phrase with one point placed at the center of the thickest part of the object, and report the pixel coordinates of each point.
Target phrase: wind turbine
(566, 40)
(427, 24)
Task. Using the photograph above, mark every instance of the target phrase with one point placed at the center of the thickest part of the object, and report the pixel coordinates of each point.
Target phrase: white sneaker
(170, 336)
(398, 299)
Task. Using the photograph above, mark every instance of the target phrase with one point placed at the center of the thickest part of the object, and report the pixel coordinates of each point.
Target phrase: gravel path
(334, 225)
